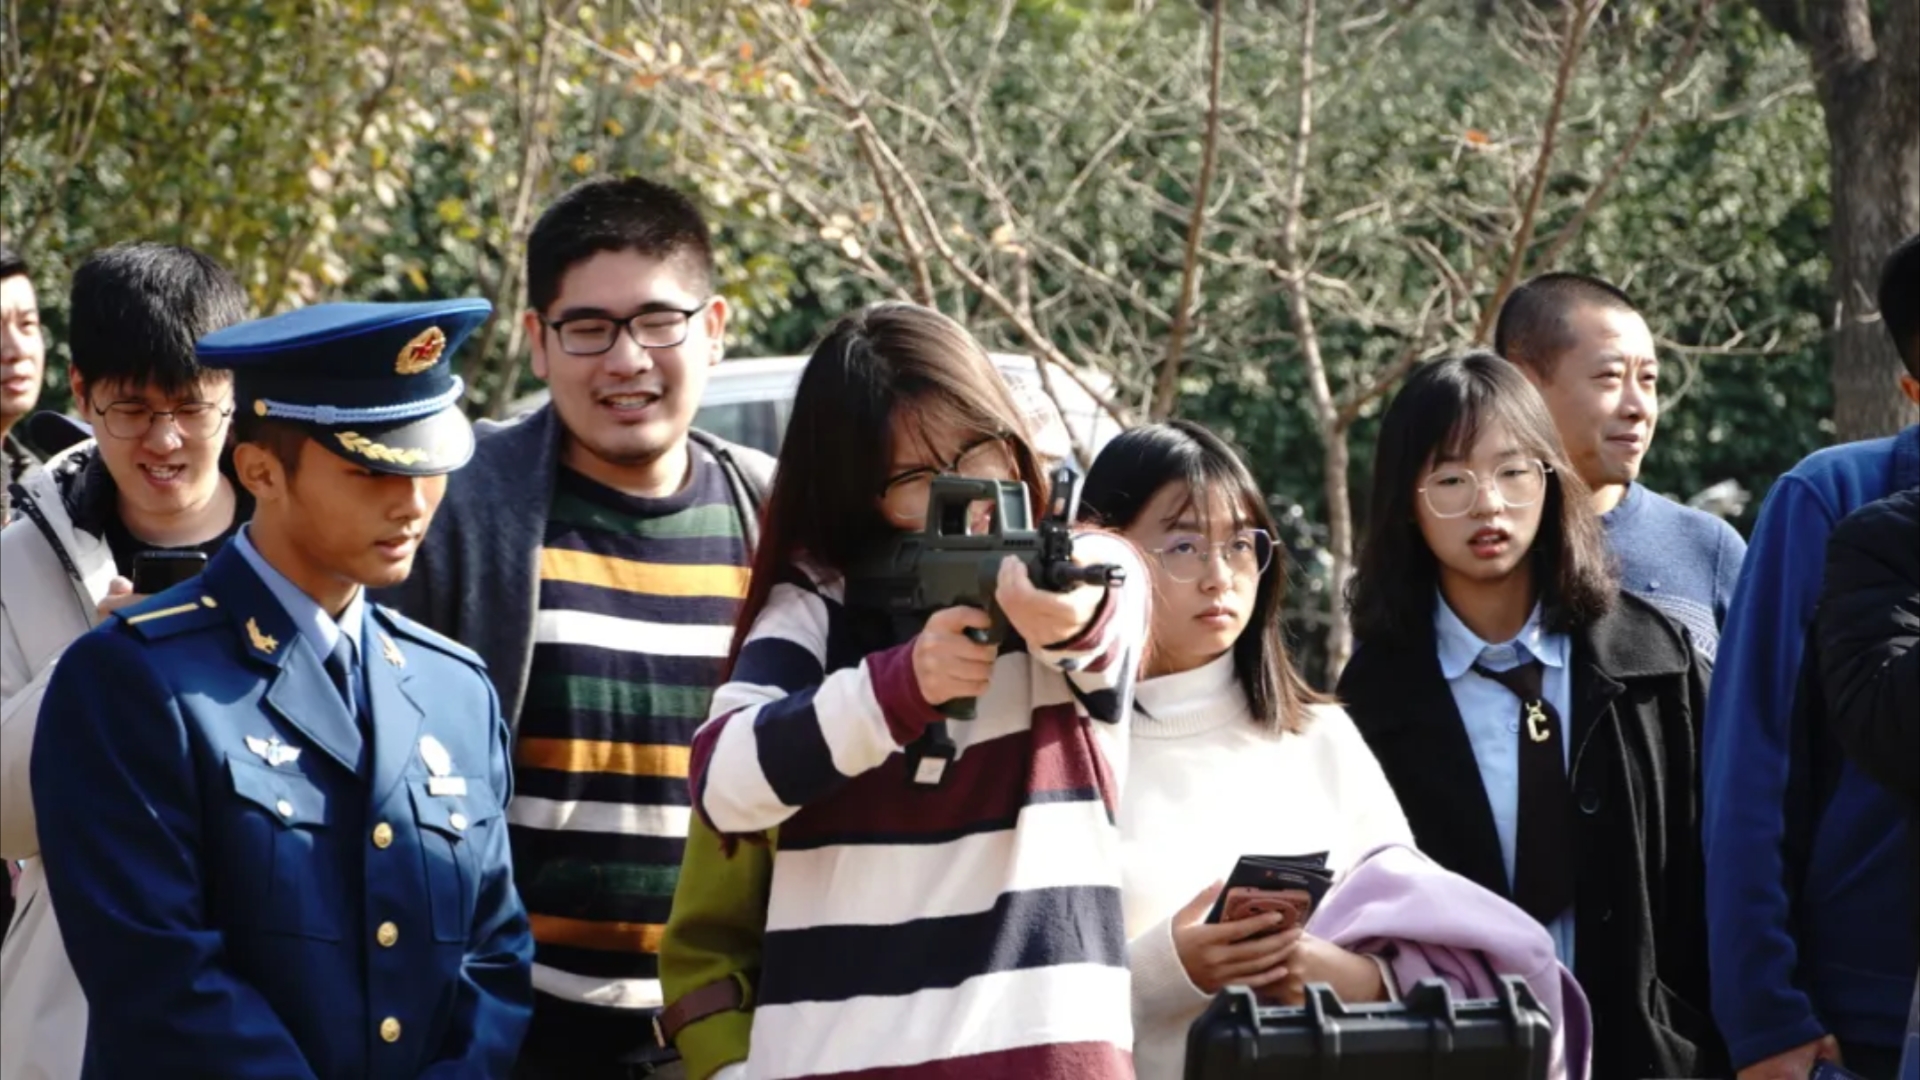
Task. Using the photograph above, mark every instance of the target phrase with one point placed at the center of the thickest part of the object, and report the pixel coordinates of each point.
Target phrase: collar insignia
(391, 651)
(264, 642)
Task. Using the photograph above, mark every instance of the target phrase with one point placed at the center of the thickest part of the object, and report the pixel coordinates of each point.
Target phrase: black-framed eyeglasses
(985, 458)
(656, 327)
(1187, 557)
(1451, 491)
(196, 420)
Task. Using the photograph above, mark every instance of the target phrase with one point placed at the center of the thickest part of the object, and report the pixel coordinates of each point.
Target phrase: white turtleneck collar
(1190, 702)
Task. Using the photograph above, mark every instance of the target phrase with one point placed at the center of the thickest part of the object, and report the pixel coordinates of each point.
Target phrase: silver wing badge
(273, 751)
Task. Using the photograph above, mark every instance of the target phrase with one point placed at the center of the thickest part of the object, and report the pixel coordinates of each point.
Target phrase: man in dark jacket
(1809, 888)
(1868, 640)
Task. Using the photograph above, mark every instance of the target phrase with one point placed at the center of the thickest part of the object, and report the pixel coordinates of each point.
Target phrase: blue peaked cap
(373, 383)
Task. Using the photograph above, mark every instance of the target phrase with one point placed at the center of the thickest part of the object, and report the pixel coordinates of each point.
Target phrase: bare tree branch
(1681, 62)
(1579, 14)
(1168, 385)
(861, 124)
(837, 86)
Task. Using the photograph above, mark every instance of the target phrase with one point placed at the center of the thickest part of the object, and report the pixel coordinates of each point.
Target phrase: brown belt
(718, 996)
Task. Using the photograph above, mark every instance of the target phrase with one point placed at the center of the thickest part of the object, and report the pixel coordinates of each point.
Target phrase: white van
(748, 401)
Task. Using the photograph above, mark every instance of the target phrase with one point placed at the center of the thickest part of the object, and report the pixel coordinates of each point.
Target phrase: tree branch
(1168, 385)
(1578, 13)
(864, 135)
(1619, 164)
(838, 87)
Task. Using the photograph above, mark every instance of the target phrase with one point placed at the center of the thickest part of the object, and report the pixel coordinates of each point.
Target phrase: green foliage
(352, 149)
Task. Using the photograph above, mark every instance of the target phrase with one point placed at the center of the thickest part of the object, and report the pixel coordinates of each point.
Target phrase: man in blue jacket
(1810, 887)
(271, 811)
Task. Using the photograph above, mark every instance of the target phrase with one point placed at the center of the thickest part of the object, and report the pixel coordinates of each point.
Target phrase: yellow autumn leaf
(450, 210)
(582, 163)
(615, 128)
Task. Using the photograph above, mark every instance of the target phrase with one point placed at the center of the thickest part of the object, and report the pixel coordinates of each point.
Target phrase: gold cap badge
(422, 352)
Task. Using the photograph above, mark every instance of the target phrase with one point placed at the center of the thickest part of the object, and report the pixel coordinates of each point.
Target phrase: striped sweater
(972, 929)
(636, 601)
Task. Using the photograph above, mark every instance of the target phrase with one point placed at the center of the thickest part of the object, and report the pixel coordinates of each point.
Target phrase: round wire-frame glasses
(196, 421)
(1247, 553)
(1451, 491)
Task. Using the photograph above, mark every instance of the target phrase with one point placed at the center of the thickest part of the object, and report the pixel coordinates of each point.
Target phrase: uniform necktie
(340, 666)
(1543, 871)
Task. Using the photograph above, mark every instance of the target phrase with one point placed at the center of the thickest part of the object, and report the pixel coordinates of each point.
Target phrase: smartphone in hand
(157, 570)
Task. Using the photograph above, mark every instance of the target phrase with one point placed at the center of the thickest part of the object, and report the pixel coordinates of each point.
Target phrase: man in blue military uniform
(271, 811)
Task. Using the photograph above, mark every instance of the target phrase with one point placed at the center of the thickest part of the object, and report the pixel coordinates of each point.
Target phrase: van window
(758, 424)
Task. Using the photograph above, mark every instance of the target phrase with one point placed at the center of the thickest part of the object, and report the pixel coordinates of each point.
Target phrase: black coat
(1638, 693)
(1868, 638)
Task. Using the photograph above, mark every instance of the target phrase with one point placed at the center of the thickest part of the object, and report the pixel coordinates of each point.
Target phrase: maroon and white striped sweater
(973, 929)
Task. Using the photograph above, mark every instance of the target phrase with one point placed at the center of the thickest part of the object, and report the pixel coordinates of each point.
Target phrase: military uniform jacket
(252, 888)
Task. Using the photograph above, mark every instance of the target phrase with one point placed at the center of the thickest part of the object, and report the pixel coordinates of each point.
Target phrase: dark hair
(137, 310)
(1132, 469)
(1532, 327)
(1437, 416)
(11, 264)
(278, 437)
(824, 506)
(1900, 301)
(625, 213)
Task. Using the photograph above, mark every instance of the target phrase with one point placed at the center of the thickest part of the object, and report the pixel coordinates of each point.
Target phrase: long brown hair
(876, 378)
(1126, 476)
(1439, 415)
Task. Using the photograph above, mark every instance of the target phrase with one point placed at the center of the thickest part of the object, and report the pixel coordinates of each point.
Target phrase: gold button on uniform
(382, 835)
(458, 821)
(285, 808)
(387, 935)
(390, 1029)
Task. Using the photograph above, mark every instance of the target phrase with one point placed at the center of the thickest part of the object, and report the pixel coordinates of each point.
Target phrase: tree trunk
(1340, 544)
(1870, 94)
(1875, 169)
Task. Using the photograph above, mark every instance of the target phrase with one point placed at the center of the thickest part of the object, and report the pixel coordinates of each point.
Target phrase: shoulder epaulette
(417, 632)
(170, 613)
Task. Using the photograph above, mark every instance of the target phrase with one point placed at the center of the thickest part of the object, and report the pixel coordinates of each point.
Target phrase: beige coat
(43, 607)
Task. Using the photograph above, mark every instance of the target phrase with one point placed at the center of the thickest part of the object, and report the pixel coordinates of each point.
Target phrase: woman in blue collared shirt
(1540, 728)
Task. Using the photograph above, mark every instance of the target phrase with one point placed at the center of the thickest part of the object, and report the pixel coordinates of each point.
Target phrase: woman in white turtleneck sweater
(1232, 753)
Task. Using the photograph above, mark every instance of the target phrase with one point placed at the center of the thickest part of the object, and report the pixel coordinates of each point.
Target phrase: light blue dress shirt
(1491, 714)
(317, 628)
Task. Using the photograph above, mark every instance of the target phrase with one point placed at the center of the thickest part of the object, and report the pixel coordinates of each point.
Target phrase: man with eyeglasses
(595, 553)
(150, 481)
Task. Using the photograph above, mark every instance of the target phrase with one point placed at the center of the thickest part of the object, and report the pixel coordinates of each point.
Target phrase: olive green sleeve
(719, 918)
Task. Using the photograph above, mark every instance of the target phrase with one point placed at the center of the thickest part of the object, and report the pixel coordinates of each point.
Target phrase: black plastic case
(1427, 1035)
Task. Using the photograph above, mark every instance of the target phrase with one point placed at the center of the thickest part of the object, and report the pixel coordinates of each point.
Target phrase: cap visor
(429, 446)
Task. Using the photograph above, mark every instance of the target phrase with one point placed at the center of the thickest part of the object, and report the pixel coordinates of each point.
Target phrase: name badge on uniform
(440, 764)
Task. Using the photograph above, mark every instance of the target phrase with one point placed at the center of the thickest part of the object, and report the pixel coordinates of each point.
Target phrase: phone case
(1304, 875)
(1248, 901)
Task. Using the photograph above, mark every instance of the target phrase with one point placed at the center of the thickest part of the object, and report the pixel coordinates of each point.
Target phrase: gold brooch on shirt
(1537, 727)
